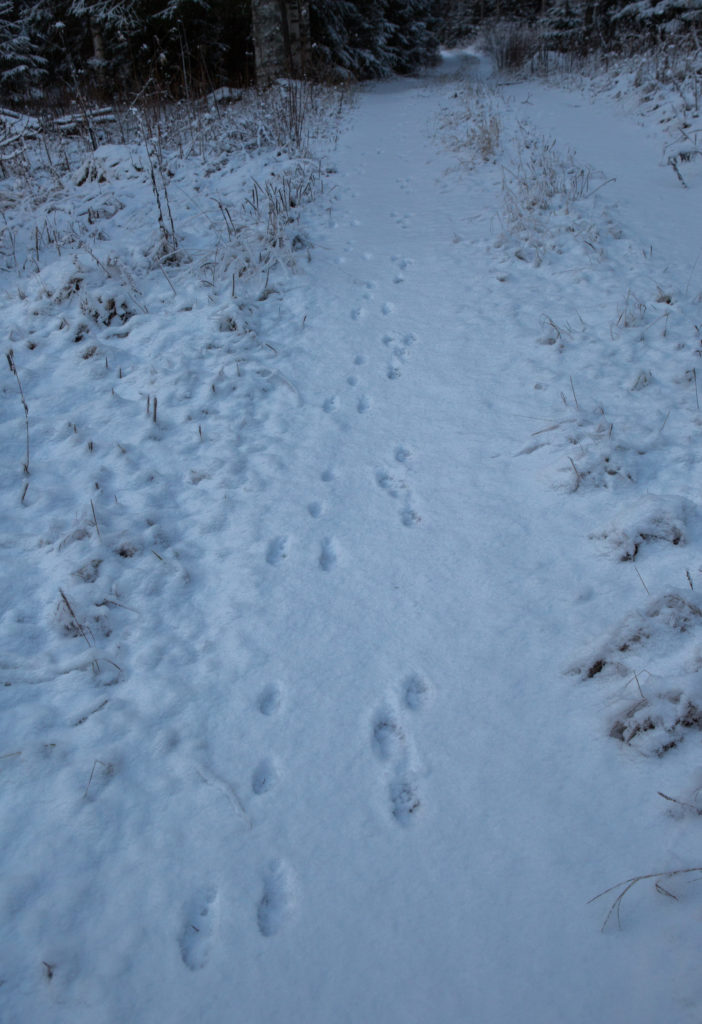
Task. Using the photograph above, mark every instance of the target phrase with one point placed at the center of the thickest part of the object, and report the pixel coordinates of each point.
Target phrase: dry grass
(628, 884)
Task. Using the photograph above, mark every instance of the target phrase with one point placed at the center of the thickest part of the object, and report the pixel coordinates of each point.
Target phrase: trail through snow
(364, 788)
(433, 651)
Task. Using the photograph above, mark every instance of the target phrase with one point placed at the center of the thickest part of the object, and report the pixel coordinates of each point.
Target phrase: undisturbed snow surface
(335, 690)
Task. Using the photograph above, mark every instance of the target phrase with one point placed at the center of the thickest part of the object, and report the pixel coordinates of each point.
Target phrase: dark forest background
(103, 49)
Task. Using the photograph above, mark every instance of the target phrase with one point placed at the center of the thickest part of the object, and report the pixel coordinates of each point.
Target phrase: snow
(350, 629)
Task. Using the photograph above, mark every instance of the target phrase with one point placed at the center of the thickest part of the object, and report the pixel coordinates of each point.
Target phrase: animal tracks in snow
(403, 220)
(396, 487)
(200, 919)
(265, 776)
(276, 901)
(277, 550)
(390, 484)
(328, 555)
(399, 346)
(400, 349)
(269, 699)
(391, 744)
(402, 262)
(391, 739)
(415, 692)
(201, 912)
(404, 800)
(394, 484)
(387, 736)
(409, 517)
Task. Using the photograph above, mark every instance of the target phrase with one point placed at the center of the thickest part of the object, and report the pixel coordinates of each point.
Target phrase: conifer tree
(22, 65)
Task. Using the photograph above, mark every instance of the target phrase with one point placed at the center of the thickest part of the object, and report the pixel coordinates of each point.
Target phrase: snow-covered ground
(351, 627)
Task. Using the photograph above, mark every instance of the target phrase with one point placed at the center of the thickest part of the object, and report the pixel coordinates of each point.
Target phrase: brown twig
(681, 803)
(575, 399)
(95, 762)
(13, 369)
(95, 518)
(642, 582)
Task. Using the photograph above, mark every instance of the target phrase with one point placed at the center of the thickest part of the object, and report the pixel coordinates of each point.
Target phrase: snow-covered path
(435, 812)
(355, 783)
(431, 819)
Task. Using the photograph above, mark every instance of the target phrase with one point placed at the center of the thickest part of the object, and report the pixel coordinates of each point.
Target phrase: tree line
(579, 26)
(117, 47)
(55, 49)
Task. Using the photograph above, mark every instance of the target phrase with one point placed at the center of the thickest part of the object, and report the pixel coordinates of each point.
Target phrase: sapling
(159, 188)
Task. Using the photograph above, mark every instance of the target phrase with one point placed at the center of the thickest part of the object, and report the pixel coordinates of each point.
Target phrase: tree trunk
(98, 52)
(297, 22)
(281, 38)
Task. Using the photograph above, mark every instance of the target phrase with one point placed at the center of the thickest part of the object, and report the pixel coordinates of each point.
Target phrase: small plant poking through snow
(483, 124)
(475, 129)
(542, 180)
